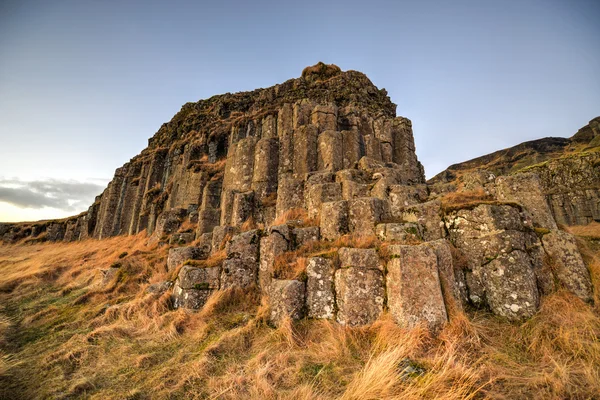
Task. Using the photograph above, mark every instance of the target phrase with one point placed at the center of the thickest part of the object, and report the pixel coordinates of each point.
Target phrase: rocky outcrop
(278, 192)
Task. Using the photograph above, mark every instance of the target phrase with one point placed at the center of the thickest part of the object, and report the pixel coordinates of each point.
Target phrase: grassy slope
(64, 335)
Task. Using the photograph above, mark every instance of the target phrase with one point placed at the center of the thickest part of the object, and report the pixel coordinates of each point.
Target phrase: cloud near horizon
(67, 195)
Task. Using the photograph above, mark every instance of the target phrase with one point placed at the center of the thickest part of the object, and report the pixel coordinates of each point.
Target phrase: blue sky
(85, 83)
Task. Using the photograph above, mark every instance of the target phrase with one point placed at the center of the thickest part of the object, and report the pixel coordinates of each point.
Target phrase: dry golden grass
(63, 334)
(592, 230)
(296, 214)
(462, 199)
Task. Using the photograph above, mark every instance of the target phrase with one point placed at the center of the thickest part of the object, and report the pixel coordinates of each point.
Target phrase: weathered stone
(334, 221)
(159, 288)
(269, 127)
(359, 295)
(182, 238)
(189, 298)
(321, 193)
(407, 231)
(352, 146)
(320, 296)
(286, 298)
(510, 286)
(290, 194)
(404, 151)
(270, 247)
(352, 190)
(402, 196)
(427, 215)
(330, 151)
(266, 165)
(244, 246)
(319, 177)
(239, 273)
(569, 268)
(169, 221)
(221, 235)
(451, 277)
(364, 258)
(178, 255)
(55, 232)
(365, 212)
(306, 234)
(305, 149)
(199, 278)
(325, 117)
(526, 189)
(373, 147)
(208, 218)
(370, 165)
(302, 112)
(413, 287)
(286, 139)
(242, 208)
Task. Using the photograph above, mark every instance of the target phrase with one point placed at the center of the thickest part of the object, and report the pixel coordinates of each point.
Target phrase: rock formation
(311, 193)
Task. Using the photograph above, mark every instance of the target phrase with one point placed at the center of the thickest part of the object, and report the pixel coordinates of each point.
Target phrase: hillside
(283, 243)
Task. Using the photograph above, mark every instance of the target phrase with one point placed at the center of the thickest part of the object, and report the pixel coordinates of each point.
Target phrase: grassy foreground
(65, 334)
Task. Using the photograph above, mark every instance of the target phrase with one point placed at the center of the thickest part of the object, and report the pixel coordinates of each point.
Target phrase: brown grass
(462, 199)
(296, 214)
(64, 335)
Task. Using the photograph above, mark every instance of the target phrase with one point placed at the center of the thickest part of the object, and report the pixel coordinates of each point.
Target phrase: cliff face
(226, 157)
(568, 169)
(311, 193)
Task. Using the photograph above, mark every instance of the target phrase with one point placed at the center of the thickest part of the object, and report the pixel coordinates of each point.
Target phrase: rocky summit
(310, 193)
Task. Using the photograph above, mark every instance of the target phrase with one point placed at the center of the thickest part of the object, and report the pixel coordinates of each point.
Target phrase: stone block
(352, 147)
(334, 219)
(242, 208)
(526, 189)
(510, 286)
(286, 300)
(290, 194)
(320, 295)
(178, 255)
(413, 287)
(330, 151)
(199, 278)
(569, 268)
(402, 196)
(407, 231)
(189, 298)
(270, 247)
(321, 193)
(360, 295)
(352, 190)
(221, 235)
(325, 117)
(366, 212)
(364, 258)
(305, 149)
(307, 234)
(244, 246)
(266, 166)
(239, 273)
(428, 215)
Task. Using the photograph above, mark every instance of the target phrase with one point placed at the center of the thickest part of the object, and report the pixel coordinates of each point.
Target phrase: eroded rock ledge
(311, 193)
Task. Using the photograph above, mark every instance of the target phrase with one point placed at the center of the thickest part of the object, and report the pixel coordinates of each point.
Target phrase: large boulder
(335, 222)
(286, 299)
(526, 189)
(320, 294)
(569, 268)
(178, 255)
(413, 287)
(360, 295)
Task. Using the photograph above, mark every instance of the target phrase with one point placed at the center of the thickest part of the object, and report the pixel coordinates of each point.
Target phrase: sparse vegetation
(65, 335)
